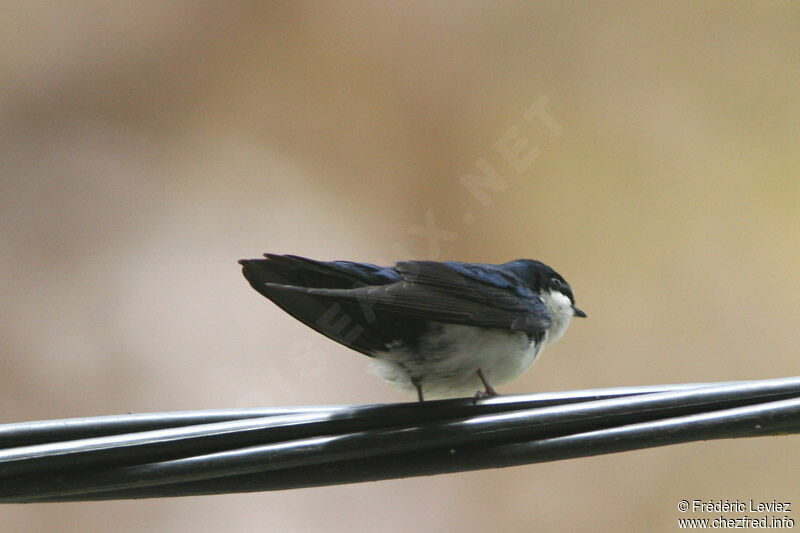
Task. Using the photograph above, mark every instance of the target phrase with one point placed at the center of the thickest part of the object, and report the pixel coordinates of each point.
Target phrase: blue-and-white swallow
(440, 329)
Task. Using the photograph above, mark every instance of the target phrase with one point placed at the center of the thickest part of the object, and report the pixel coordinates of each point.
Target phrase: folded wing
(367, 307)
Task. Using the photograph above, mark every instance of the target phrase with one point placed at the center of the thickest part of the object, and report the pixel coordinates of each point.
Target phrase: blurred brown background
(650, 154)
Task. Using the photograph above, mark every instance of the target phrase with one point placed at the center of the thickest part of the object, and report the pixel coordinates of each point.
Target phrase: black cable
(210, 452)
(46, 431)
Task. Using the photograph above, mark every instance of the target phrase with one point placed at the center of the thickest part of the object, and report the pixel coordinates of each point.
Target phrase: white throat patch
(561, 312)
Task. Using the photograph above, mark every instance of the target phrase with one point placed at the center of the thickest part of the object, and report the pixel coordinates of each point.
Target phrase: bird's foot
(480, 395)
(417, 382)
(489, 390)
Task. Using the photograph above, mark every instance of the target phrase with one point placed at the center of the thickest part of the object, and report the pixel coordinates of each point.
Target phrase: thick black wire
(458, 459)
(26, 433)
(236, 451)
(39, 446)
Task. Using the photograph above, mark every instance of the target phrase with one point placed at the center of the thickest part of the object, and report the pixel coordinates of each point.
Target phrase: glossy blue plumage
(433, 327)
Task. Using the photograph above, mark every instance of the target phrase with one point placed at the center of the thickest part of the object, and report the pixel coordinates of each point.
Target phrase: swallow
(437, 329)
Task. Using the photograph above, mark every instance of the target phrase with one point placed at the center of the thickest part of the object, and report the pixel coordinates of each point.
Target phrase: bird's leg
(489, 390)
(417, 382)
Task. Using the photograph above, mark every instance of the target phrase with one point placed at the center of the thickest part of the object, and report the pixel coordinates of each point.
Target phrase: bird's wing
(366, 307)
(435, 291)
(289, 281)
(303, 272)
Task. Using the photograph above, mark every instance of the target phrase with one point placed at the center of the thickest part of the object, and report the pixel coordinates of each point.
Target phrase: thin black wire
(210, 452)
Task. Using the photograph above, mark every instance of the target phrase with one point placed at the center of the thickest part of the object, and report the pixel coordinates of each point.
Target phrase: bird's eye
(556, 283)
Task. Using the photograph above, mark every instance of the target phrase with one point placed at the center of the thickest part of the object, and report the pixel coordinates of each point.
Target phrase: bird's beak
(578, 312)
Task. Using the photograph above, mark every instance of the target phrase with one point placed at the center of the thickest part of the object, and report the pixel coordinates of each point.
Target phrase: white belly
(450, 356)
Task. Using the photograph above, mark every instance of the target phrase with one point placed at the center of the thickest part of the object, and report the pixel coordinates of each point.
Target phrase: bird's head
(547, 283)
